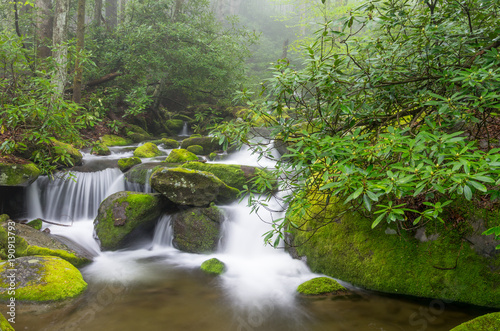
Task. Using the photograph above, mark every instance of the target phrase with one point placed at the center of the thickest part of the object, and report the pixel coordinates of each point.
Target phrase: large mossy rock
(192, 187)
(60, 148)
(136, 133)
(233, 175)
(174, 126)
(147, 150)
(196, 149)
(180, 156)
(197, 230)
(128, 162)
(113, 140)
(347, 248)
(12, 174)
(209, 144)
(170, 143)
(41, 278)
(488, 322)
(123, 212)
(100, 149)
(319, 286)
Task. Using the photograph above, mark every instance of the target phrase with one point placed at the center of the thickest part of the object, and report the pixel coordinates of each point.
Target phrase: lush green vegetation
(394, 113)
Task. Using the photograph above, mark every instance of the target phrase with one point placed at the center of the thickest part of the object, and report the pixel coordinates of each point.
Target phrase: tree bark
(111, 13)
(80, 44)
(97, 12)
(60, 52)
(44, 25)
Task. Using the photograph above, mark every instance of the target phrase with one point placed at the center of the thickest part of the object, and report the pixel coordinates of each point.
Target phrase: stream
(153, 286)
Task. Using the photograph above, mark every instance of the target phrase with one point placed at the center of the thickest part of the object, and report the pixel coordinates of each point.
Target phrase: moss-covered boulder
(209, 144)
(100, 149)
(197, 230)
(192, 187)
(12, 174)
(147, 150)
(141, 173)
(170, 143)
(233, 175)
(113, 140)
(488, 322)
(74, 155)
(35, 224)
(213, 266)
(128, 162)
(8, 248)
(196, 149)
(136, 133)
(123, 212)
(180, 156)
(4, 323)
(174, 125)
(320, 285)
(41, 278)
(30, 241)
(344, 246)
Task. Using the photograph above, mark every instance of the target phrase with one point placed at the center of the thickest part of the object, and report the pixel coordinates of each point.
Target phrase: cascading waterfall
(184, 132)
(163, 234)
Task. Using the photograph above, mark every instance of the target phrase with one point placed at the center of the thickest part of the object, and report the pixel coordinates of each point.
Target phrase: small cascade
(184, 132)
(67, 199)
(163, 234)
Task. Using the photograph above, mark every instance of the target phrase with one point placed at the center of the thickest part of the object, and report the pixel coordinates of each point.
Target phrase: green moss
(209, 144)
(18, 174)
(121, 213)
(4, 324)
(170, 143)
(70, 257)
(180, 156)
(488, 322)
(136, 133)
(4, 218)
(196, 135)
(345, 247)
(36, 224)
(20, 245)
(147, 150)
(44, 278)
(100, 149)
(113, 140)
(320, 285)
(128, 162)
(212, 156)
(213, 266)
(174, 125)
(75, 155)
(195, 149)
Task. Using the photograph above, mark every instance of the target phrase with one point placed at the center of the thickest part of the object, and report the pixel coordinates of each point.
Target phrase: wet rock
(123, 212)
(197, 230)
(321, 285)
(128, 162)
(12, 174)
(113, 140)
(100, 149)
(209, 144)
(192, 187)
(213, 266)
(180, 156)
(170, 143)
(196, 149)
(147, 150)
(40, 278)
(140, 174)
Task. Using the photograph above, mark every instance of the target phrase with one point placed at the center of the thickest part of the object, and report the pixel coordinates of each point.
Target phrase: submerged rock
(12, 174)
(128, 162)
(213, 266)
(180, 156)
(320, 285)
(147, 150)
(123, 212)
(192, 187)
(40, 278)
(197, 230)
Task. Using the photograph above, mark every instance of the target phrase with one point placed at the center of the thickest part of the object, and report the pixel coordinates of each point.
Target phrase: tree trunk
(123, 7)
(60, 52)
(80, 44)
(44, 25)
(97, 12)
(111, 13)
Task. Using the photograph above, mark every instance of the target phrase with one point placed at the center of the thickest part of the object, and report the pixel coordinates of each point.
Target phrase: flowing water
(153, 286)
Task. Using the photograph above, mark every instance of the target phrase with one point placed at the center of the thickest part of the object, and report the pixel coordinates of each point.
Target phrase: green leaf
(378, 220)
(467, 192)
(477, 185)
(367, 202)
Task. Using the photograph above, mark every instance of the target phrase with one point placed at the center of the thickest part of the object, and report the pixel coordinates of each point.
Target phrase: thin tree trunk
(111, 13)
(80, 44)
(123, 8)
(60, 53)
(44, 25)
(97, 12)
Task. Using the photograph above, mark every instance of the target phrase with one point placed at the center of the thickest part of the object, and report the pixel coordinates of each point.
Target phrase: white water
(256, 274)
(184, 132)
